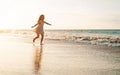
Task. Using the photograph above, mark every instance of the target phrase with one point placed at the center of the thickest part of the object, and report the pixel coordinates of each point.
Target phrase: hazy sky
(62, 14)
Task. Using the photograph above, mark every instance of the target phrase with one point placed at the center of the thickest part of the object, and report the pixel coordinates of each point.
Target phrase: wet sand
(18, 56)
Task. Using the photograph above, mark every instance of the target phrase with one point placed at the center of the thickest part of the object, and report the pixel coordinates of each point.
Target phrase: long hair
(41, 18)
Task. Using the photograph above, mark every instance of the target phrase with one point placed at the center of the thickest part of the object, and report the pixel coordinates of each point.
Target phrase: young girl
(39, 28)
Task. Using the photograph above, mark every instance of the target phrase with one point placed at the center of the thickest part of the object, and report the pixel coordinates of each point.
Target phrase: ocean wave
(96, 39)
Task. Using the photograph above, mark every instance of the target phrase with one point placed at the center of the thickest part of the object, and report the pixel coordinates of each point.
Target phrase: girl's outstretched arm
(34, 26)
(47, 23)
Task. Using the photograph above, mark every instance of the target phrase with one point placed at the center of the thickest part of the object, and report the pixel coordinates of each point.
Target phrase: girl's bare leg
(35, 38)
(42, 37)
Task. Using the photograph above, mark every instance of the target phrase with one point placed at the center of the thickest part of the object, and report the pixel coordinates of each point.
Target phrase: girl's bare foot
(33, 40)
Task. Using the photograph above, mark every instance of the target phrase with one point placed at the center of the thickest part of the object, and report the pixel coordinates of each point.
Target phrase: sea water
(97, 37)
(109, 37)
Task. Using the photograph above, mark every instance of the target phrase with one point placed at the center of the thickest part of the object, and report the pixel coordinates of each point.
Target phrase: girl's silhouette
(40, 28)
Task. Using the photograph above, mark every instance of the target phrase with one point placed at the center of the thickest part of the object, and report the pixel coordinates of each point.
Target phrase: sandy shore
(18, 56)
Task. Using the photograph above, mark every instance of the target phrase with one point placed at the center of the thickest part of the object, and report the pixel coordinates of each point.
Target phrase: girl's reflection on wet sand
(37, 58)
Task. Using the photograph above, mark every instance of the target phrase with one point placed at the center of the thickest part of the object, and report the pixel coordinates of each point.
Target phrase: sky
(62, 14)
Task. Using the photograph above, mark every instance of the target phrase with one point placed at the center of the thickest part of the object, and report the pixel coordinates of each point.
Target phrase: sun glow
(22, 14)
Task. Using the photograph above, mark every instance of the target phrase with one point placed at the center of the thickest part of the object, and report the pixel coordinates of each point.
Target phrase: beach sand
(18, 56)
